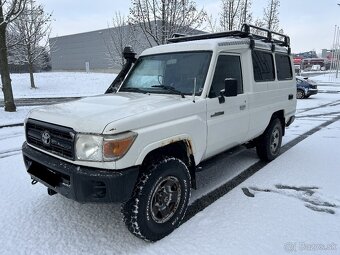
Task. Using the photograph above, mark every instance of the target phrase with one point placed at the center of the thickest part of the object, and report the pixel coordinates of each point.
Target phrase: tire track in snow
(9, 153)
(4, 137)
(12, 125)
(333, 103)
(40, 101)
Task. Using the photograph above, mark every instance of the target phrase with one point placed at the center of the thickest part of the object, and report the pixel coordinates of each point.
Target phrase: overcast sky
(309, 23)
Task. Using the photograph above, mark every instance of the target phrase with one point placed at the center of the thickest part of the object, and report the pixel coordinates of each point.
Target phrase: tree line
(24, 31)
(25, 28)
(158, 20)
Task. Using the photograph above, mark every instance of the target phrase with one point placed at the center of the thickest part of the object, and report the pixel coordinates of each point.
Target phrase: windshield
(172, 73)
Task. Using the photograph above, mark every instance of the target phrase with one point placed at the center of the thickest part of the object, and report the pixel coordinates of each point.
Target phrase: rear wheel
(269, 143)
(300, 94)
(160, 200)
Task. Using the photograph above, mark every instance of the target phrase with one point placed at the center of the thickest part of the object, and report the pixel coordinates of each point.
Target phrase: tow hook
(51, 192)
(34, 182)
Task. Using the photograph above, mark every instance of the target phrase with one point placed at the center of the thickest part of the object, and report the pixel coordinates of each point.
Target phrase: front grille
(52, 138)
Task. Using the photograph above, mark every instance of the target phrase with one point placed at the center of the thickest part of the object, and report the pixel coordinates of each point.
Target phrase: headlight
(89, 147)
(103, 148)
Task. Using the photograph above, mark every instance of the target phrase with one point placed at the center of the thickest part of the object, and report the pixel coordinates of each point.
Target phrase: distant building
(87, 51)
(329, 54)
(306, 60)
(92, 51)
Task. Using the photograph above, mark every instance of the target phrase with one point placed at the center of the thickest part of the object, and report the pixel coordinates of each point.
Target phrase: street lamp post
(338, 53)
(333, 49)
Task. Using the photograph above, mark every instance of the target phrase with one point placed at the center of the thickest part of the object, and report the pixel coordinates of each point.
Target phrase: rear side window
(283, 67)
(263, 66)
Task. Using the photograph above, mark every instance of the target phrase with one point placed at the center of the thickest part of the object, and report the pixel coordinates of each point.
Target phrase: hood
(92, 114)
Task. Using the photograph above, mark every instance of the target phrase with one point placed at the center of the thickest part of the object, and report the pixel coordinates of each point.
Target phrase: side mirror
(230, 87)
(221, 98)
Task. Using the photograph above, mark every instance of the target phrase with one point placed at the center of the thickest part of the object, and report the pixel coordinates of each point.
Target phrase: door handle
(242, 107)
(216, 114)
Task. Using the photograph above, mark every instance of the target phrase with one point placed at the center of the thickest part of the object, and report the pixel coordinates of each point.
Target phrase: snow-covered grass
(7, 118)
(60, 84)
(54, 84)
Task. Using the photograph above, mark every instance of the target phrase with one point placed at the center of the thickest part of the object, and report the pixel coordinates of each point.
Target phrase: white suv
(180, 104)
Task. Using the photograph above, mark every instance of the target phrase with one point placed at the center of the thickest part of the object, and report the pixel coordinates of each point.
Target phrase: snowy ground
(60, 84)
(54, 84)
(295, 208)
(327, 78)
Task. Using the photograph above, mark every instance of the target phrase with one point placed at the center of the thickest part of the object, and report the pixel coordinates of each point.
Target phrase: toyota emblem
(46, 138)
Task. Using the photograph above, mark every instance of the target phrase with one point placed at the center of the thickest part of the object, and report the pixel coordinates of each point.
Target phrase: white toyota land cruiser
(141, 142)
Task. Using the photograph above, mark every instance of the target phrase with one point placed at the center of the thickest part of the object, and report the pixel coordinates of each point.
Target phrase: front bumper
(79, 183)
(312, 92)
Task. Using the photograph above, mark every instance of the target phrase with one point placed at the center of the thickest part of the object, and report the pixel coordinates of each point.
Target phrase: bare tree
(212, 24)
(271, 15)
(34, 28)
(233, 15)
(160, 19)
(246, 15)
(230, 14)
(120, 35)
(9, 11)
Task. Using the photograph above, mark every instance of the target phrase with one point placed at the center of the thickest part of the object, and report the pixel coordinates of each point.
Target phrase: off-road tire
(138, 213)
(269, 143)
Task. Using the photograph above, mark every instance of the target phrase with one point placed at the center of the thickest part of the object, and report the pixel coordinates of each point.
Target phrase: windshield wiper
(132, 89)
(169, 88)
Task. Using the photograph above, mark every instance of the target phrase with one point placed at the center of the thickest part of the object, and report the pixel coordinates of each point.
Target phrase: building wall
(72, 52)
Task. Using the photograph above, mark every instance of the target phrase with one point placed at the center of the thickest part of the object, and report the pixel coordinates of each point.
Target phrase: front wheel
(269, 143)
(160, 200)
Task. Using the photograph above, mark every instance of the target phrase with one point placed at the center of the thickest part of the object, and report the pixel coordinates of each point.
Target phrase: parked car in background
(305, 87)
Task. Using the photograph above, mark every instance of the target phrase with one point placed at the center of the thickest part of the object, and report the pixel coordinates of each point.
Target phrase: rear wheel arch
(269, 143)
(281, 116)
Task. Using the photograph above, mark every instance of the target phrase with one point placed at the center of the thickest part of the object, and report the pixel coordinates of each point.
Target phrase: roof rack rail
(245, 32)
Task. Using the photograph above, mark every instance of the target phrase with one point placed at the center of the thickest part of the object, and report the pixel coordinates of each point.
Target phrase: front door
(228, 121)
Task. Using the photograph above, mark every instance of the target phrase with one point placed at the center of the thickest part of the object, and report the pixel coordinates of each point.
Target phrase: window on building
(227, 66)
(283, 67)
(263, 65)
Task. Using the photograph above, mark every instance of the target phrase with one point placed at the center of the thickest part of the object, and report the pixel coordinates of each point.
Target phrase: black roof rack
(245, 32)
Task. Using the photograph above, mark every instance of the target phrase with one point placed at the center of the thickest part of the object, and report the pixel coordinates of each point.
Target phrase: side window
(263, 65)
(283, 67)
(227, 67)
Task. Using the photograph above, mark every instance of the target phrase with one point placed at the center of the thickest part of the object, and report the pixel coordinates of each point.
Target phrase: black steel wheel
(165, 199)
(159, 201)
